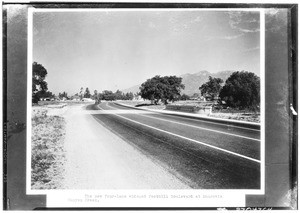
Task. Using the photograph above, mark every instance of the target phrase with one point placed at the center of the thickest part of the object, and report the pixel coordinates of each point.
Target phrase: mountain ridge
(192, 81)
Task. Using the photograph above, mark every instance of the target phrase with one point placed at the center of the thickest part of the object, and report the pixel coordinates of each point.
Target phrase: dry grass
(237, 116)
(47, 146)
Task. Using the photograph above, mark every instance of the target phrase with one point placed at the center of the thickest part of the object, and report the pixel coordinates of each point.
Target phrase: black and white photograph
(146, 99)
(147, 106)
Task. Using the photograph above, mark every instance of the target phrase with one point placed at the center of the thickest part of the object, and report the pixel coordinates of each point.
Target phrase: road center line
(221, 132)
(220, 124)
(199, 142)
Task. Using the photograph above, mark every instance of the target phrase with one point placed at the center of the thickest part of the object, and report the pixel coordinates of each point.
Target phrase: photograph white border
(238, 195)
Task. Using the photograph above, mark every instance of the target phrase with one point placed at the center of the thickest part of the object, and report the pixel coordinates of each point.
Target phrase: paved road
(202, 154)
(97, 159)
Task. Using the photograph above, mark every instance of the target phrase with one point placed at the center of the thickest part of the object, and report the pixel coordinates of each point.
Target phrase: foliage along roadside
(48, 158)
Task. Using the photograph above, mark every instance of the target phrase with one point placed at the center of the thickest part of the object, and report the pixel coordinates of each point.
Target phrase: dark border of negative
(292, 93)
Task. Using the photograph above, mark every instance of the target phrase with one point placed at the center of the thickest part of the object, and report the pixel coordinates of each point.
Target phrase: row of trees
(85, 94)
(111, 96)
(63, 95)
(105, 95)
(80, 95)
(241, 89)
(40, 89)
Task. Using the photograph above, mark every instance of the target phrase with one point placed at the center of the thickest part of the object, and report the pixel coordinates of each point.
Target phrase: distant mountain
(192, 82)
(133, 89)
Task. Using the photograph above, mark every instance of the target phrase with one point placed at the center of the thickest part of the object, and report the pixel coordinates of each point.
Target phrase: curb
(247, 124)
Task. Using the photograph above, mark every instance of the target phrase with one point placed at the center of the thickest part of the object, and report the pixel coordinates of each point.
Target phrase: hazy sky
(119, 49)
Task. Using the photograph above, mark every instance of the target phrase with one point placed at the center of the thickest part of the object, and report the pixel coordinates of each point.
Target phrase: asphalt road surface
(202, 154)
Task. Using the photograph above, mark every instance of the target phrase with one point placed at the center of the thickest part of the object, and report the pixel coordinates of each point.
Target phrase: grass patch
(47, 148)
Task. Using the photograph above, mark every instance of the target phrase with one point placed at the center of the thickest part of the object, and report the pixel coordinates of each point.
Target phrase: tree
(95, 95)
(108, 95)
(44, 94)
(119, 95)
(242, 90)
(39, 85)
(100, 96)
(212, 87)
(81, 93)
(48, 94)
(128, 96)
(136, 95)
(165, 88)
(184, 97)
(87, 93)
(63, 95)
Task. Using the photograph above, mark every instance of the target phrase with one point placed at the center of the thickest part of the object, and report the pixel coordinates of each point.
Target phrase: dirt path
(98, 159)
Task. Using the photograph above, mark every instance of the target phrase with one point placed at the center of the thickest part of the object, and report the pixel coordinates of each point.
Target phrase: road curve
(204, 155)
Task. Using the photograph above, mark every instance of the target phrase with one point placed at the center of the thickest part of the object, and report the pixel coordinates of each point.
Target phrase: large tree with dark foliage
(212, 87)
(165, 88)
(39, 85)
(241, 90)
